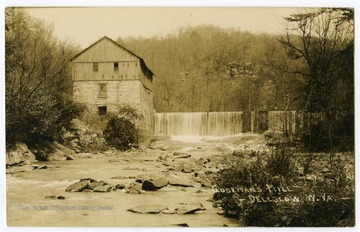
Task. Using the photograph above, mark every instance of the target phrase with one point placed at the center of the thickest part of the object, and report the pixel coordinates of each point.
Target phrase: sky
(83, 26)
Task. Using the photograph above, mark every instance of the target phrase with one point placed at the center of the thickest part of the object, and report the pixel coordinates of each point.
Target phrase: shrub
(120, 133)
(120, 130)
(276, 168)
(329, 134)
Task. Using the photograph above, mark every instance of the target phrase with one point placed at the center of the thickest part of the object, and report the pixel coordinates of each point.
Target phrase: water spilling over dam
(228, 123)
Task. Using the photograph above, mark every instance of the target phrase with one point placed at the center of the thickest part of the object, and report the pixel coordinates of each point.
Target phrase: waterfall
(226, 123)
(199, 123)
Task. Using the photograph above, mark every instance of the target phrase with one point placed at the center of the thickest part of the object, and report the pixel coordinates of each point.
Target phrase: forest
(208, 68)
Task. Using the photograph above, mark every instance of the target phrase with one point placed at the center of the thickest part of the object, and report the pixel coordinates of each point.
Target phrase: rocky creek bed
(169, 184)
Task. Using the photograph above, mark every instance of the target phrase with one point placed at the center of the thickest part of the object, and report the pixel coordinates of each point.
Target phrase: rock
(176, 181)
(142, 177)
(39, 166)
(103, 188)
(120, 177)
(169, 211)
(22, 163)
(16, 169)
(185, 168)
(60, 152)
(148, 209)
(110, 152)
(181, 155)
(166, 164)
(89, 185)
(200, 191)
(206, 183)
(201, 161)
(19, 154)
(217, 204)
(114, 160)
(93, 183)
(78, 186)
(154, 184)
(134, 188)
(53, 197)
(190, 208)
(119, 186)
(182, 225)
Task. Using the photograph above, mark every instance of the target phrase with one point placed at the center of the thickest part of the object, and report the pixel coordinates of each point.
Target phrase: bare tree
(316, 39)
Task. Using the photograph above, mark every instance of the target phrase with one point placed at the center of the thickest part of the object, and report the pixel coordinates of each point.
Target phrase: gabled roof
(142, 62)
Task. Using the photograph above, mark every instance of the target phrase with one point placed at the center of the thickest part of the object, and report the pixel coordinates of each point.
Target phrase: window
(116, 67)
(102, 90)
(102, 110)
(95, 67)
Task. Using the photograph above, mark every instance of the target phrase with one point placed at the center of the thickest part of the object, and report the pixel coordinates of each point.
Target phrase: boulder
(60, 152)
(89, 185)
(176, 181)
(148, 209)
(134, 188)
(19, 154)
(78, 186)
(119, 186)
(142, 177)
(154, 184)
(103, 188)
(190, 208)
(16, 169)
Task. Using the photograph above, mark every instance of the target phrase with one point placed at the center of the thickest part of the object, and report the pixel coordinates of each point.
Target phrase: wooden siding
(105, 51)
(126, 70)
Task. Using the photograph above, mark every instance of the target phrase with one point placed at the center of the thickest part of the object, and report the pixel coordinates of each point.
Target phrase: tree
(322, 44)
(316, 39)
(37, 80)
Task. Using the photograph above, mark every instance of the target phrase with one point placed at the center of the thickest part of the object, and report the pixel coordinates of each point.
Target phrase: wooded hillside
(208, 68)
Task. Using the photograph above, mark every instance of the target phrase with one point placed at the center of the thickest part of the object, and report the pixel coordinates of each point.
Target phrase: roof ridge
(113, 41)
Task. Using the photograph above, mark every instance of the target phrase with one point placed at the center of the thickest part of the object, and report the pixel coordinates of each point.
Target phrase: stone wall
(117, 93)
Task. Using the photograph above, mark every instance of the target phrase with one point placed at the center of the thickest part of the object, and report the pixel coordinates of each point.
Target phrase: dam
(230, 123)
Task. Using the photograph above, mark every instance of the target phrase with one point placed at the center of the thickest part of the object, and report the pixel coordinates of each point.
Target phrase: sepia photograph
(192, 116)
